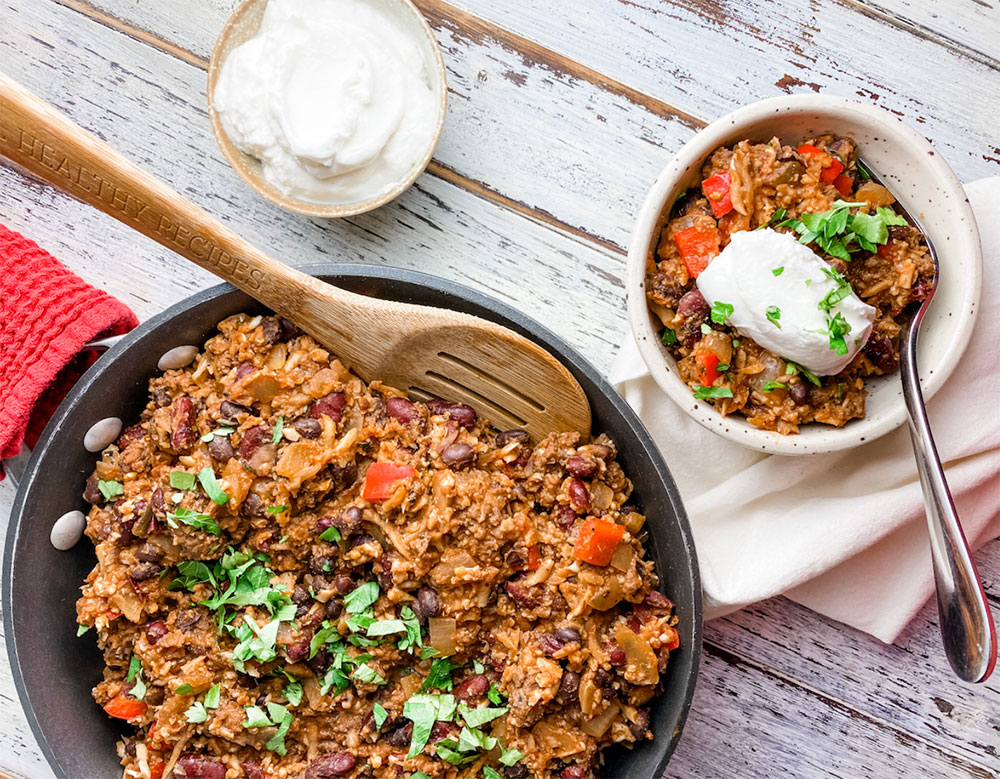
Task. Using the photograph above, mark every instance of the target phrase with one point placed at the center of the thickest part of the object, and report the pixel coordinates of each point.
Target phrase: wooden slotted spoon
(510, 380)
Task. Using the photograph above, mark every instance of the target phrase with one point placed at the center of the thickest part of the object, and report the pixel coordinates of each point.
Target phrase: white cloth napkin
(842, 533)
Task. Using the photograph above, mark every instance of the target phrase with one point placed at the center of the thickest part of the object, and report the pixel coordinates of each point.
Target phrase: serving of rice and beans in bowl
(779, 280)
(303, 575)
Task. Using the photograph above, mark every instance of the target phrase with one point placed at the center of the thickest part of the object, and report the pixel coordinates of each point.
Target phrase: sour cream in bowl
(327, 107)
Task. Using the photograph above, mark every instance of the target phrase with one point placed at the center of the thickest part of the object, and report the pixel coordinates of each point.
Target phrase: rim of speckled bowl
(920, 179)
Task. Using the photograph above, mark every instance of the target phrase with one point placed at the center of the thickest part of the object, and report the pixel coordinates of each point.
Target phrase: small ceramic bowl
(243, 25)
(921, 181)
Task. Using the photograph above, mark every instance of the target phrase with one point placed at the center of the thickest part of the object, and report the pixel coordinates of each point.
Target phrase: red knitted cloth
(47, 314)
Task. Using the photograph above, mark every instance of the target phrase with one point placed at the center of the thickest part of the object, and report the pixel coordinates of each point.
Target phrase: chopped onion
(609, 595)
(622, 558)
(641, 660)
(441, 634)
(599, 725)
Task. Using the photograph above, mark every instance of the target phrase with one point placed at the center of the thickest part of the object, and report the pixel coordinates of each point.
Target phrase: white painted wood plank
(557, 144)
(909, 684)
(101, 77)
(971, 23)
(707, 58)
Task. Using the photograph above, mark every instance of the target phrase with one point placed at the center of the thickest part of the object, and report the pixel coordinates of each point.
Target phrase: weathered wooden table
(561, 113)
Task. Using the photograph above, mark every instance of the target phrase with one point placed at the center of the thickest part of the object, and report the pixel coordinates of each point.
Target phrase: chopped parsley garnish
(838, 327)
(81, 629)
(212, 696)
(281, 717)
(439, 677)
(494, 694)
(196, 713)
(138, 690)
(773, 385)
(256, 718)
(776, 217)
(220, 431)
(668, 337)
(110, 489)
(721, 312)
(423, 711)
(491, 773)
(778, 271)
(207, 478)
(712, 392)
(196, 520)
(475, 718)
(736, 342)
(293, 692)
(365, 673)
(793, 369)
(331, 534)
(273, 510)
(838, 232)
(182, 480)
(705, 328)
(361, 597)
(278, 427)
(510, 756)
(184, 689)
(773, 314)
(321, 636)
(379, 714)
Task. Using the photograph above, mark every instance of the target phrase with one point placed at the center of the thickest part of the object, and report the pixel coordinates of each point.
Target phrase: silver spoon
(970, 639)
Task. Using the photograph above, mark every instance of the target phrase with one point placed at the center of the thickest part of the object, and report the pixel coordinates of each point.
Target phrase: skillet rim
(686, 563)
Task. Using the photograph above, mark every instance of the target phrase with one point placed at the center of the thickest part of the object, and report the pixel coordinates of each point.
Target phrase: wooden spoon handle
(45, 142)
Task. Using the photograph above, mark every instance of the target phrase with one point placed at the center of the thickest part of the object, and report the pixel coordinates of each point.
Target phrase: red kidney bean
(549, 644)
(605, 451)
(799, 392)
(129, 435)
(574, 772)
(525, 597)
(244, 369)
(657, 600)
(442, 730)
(252, 770)
(402, 410)
(156, 630)
(569, 685)
(329, 766)
(197, 767)
(271, 328)
(473, 688)
(150, 553)
(457, 455)
(584, 467)
(507, 436)
(252, 440)
(90, 492)
(158, 504)
(307, 427)
(187, 619)
(220, 449)
(289, 329)
(183, 435)
(331, 405)
(463, 415)
(323, 524)
(616, 655)
(564, 516)
(568, 635)
(882, 351)
(127, 536)
(144, 571)
(579, 496)
(297, 652)
(693, 304)
(427, 604)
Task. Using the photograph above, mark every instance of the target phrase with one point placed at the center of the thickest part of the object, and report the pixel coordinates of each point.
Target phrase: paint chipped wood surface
(561, 114)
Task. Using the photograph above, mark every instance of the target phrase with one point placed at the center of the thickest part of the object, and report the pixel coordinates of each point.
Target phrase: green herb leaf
(196, 520)
(668, 337)
(721, 311)
(281, 717)
(331, 534)
(511, 756)
(439, 677)
(368, 675)
(773, 314)
(423, 711)
(110, 489)
(776, 217)
(478, 717)
(81, 629)
(379, 714)
(773, 385)
(293, 692)
(778, 271)
(207, 478)
(256, 718)
(471, 739)
(272, 510)
(184, 689)
(711, 392)
(138, 690)
(278, 427)
(491, 773)
(494, 694)
(182, 480)
(360, 598)
(220, 431)
(196, 713)
(212, 696)
(334, 678)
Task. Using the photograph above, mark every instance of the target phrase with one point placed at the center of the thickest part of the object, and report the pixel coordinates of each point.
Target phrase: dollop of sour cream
(331, 96)
(782, 294)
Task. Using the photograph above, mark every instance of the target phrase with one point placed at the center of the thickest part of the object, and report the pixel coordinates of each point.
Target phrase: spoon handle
(967, 629)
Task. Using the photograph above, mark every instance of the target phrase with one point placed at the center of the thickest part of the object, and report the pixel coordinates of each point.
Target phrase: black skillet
(54, 670)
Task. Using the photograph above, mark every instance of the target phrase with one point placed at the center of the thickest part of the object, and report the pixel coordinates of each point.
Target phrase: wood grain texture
(561, 113)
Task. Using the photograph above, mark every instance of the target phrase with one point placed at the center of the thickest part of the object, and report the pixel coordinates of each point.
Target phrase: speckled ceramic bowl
(243, 25)
(919, 178)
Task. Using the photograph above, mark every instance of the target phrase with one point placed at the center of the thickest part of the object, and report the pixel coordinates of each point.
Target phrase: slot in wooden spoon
(426, 351)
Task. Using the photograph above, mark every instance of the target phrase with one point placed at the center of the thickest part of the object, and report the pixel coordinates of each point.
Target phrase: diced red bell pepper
(829, 172)
(111, 614)
(597, 541)
(697, 246)
(708, 362)
(844, 184)
(156, 770)
(533, 558)
(124, 707)
(716, 189)
(673, 641)
(382, 478)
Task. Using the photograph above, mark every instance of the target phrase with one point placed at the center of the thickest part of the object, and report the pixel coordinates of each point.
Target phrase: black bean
(307, 427)
(322, 563)
(568, 635)
(883, 352)
(300, 595)
(459, 412)
(289, 329)
(161, 398)
(349, 520)
(457, 455)
(400, 735)
(90, 492)
(401, 409)
(149, 553)
(253, 506)
(130, 748)
(271, 328)
(427, 603)
(360, 539)
(516, 771)
(332, 609)
(144, 571)
(220, 448)
(127, 536)
(231, 411)
(799, 392)
(549, 644)
(569, 685)
(604, 679)
(344, 584)
(507, 436)
(187, 619)
(640, 728)
(328, 766)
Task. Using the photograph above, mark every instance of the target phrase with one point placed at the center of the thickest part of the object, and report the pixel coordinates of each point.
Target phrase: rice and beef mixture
(814, 190)
(303, 575)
